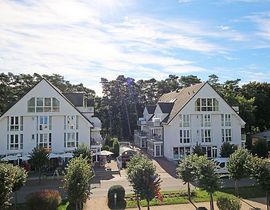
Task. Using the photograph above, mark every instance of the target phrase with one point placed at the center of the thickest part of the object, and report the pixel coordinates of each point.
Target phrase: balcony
(140, 133)
(141, 122)
(243, 137)
(155, 137)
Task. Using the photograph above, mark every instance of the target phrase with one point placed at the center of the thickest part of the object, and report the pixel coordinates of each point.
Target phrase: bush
(201, 208)
(120, 199)
(228, 202)
(44, 200)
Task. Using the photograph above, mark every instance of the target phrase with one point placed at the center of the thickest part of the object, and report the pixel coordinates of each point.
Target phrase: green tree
(186, 81)
(115, 147)
(39, 157)
(197, 149)
(260, 148)
(227, 149)
(187, 170)
(84, 151)
(77, 181)
(143, 178)
(237, 165)
(207, 178)
(12, 179)
(260, 171)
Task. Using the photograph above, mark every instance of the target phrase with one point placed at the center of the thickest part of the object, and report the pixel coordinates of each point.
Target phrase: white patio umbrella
(67, 155)
(105, 153)
(10, 158)
(53, 155)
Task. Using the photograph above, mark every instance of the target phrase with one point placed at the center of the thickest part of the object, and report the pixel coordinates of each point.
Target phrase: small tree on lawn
(77, 181)
(12, 179)
(143, 178)
(237, 165)
(197, 149)
(207, 178)
(187, 170)
(84, 151)
(227, 149)
(39, 157)
(19, 179)
(260, 171)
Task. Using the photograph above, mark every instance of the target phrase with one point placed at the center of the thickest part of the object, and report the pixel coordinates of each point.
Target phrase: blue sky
(89, 39)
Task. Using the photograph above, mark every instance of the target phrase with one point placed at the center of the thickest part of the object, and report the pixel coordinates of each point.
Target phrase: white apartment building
(184, 118)
(46, 117)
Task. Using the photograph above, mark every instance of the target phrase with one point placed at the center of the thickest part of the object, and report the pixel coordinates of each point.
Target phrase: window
(226, 135)
(206, 120)
(180, 152)
(184, 120)
(184, 136)
(15, 123)
(15, 141)
(44, 140)
(226, 120)
(71, 139)
(71, 122)
(44, 123)
(206, 135)
(206, 104)
(40, 104)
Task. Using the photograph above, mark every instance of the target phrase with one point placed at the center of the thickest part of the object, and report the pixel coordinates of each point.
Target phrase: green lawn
(180, 197)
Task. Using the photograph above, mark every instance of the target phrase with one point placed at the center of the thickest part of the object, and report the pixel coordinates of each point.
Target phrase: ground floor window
(210, 151)
(71, 139)
(14, 141)
(180, 152)
(44, 140)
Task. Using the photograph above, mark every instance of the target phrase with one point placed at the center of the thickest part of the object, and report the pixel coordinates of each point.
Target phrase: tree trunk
(188, 187)
(211, 201)
(267, 200)
(16, 198)
(128, 121)
(236, 187)
(148, 205)
(138, 203)
(39, 175)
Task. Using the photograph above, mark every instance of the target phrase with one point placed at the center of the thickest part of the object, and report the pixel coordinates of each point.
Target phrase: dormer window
(41, 104)
(206, 104)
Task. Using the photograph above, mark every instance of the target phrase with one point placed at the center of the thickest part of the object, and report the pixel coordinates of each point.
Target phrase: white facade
(44, 117)
(189, 125)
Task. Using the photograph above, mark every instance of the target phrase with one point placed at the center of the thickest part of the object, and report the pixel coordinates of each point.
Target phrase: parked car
(221, 166)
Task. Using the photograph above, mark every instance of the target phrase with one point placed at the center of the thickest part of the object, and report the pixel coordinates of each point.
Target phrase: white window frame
(71, 122)
(206, 135)
(226, 120)
(43, 104)
(185, 136)
(15, 123)
(15, 141)
(44, 123)
(184, 120)
(71, 139)
(226, 134)
(206, 104)
(206, 120)
(44, 140)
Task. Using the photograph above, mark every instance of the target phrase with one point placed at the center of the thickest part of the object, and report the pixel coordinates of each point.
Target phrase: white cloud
(86, 40)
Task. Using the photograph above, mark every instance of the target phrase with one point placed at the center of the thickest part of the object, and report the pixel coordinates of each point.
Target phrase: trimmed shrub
(228, 202)
(44, 200)
(120, 199)
(201, 208)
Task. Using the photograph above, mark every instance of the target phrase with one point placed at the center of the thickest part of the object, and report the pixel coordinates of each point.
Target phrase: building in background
(46, 117)
(184, 118)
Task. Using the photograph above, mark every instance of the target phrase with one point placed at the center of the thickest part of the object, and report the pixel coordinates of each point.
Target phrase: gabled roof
(58, 91)
(177, 100)
(151, 109)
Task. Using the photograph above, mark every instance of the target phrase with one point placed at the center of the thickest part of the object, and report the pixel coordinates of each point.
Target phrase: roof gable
(42, 89)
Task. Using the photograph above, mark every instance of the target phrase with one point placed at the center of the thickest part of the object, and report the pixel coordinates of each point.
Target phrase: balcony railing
(243, 137)
(140, 133)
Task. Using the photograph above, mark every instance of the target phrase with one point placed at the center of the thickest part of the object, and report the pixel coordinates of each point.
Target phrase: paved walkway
(101, 203)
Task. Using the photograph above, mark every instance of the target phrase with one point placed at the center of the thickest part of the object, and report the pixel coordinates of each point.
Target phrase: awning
(67, 155)
(105, 153)
(10, 158)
